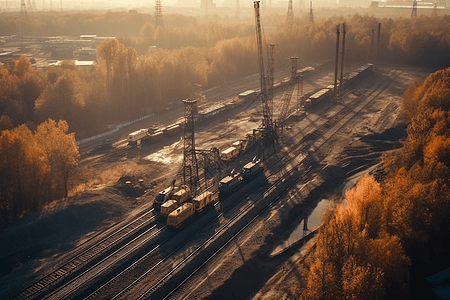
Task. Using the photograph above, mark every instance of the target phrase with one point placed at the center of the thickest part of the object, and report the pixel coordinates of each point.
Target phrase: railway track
(56, 276)
(310, 146)
(183, 289)
(87, 253)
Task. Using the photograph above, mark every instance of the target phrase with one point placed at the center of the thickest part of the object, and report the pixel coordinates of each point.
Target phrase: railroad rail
(347, 110)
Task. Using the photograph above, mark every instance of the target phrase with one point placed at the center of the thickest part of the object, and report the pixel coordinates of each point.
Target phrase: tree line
(34, 167)
(393, 234)
(128, 83)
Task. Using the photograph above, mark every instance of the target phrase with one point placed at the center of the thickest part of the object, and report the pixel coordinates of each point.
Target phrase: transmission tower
(23, 8)
(290, 13)
(414, 9)
(336, 62)
(434, 13)
(190, 166)
(271, 73)
(60, 5)
(238, 10)
(158, 14)
(285, 100)
(29, 6)
(33, 5)
(341, 81)
(268, 131)
(375, 65)
(51, 5)
(311, 16)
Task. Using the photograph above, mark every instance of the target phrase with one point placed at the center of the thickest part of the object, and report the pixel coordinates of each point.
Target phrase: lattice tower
(51, 5)
(311, 16)
(190, 165)
(434, 13)
(268, 131)
(341, 81)
(23, 8)
(33, 5)
(375, 65)
(414, 9)
(30, 7)
(300, 98)
(158, 14)
(290, 13)
(336, 62)
(271, 73)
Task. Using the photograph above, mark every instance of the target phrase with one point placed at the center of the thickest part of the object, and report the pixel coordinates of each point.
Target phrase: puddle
(165, 155)
(312, 223)
(313, 220)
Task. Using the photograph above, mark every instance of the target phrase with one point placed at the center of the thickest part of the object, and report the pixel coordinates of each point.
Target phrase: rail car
(168, 207)
(351, 80)
(228, 154)
(180, 215)
(229, 184)
(135, 137)
(251, 169)
(162, 197)
(317, 97)
(248, 95)
(203, 200)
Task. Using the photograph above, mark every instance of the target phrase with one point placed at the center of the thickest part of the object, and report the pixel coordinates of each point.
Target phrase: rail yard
(214, 185)
(145, 258)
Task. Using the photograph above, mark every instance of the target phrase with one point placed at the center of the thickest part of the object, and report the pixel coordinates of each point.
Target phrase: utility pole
(158, 14)
(23, 9)
(434, 13)
(336, 62)
(271, 73)
(290, 13)
(378, 46)
(372, 43)
(341, 82)
(414, 9)
(311, 16)
(190, 166)
(300, 104)
(30, 7)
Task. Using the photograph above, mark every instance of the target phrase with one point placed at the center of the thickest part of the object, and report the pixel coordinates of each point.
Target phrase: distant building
(187, 3)
(78, 63)
(354, 3)
(207, 4)
(87, 54)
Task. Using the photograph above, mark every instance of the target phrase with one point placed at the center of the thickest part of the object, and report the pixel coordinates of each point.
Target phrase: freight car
(229, 184)
(162, 197)
(317, 97)
(182, 195)
(251, 169)
(171, 130)
(180, 215)
(168, 207)
(202, 200)
(135, 137)
(228, 154)
(248, 96)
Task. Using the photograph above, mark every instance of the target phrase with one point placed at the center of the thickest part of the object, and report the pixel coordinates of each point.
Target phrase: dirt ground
(122, 183)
